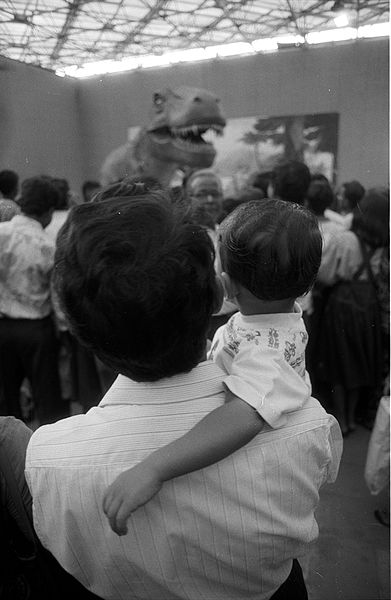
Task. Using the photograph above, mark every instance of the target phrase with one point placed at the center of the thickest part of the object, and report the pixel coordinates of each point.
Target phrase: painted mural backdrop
(257, 144)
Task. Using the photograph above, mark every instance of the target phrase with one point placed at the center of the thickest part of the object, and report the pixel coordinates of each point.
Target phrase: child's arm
(217, 435)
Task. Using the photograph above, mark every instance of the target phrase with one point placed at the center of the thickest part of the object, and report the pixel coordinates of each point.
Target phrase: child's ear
(230, 288)
(219, 295)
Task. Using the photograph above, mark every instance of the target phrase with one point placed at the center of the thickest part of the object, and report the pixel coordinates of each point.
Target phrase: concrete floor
(351, 558)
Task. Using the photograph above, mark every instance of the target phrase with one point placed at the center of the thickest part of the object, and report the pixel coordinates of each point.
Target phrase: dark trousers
(28, 348)
(294, 587)
(29, 571)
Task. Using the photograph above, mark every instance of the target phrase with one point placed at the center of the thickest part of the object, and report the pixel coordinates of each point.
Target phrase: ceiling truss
(55, 34)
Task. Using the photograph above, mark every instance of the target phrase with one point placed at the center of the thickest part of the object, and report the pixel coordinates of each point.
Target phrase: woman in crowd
(320, 197)
(353, 330)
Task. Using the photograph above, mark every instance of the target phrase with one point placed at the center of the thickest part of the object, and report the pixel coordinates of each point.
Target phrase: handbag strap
(366, 263)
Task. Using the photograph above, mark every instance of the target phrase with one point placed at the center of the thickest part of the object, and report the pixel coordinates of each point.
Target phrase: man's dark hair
(137, 282)
(271, 247)
(9, 184)
(291, 181)
(130, 187)
(319, 196)
(38, 196)
(353, 192)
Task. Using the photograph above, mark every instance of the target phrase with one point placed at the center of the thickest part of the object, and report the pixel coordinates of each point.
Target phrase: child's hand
(129, 491)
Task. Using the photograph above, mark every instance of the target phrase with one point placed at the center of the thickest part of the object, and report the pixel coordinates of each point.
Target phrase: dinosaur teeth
(196, 130)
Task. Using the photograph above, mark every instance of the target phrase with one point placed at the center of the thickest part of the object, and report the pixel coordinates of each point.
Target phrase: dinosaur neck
(150, 164)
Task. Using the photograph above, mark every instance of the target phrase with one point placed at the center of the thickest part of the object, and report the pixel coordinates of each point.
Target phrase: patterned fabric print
(231, 339)
(304, 337)
(213, 349)
(291, 343)
(299, 365)
(290, 351)
(294, 353)
(273, 338)
(250, 336)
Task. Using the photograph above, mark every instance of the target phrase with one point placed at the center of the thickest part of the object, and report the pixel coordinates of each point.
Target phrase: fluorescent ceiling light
(193, 54)
(377, 30)
(237, 49)
(289, 39)
(331, 35)
(265, 45)
(150, 60)
(232, 49)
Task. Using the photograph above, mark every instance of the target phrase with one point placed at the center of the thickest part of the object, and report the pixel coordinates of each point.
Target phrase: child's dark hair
(271, 247)
(137, 282)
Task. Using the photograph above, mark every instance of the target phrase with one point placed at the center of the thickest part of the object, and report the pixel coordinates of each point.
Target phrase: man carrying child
(130, 271)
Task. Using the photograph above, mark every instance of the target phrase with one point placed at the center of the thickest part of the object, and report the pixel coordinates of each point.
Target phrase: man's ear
(230, 287)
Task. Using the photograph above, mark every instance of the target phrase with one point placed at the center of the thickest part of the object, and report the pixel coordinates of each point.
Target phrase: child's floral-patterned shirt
(264, 358)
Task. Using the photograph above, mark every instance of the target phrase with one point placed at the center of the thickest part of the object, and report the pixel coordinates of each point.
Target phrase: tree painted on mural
(297, 136)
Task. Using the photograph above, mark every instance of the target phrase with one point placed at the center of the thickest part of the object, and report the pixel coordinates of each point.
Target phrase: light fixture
(342, 15)
(263, 45)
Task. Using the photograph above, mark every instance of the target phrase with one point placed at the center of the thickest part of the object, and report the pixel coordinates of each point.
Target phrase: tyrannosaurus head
(180, 119)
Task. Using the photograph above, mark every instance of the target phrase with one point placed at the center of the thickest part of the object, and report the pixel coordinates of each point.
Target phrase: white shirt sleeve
(261, 378)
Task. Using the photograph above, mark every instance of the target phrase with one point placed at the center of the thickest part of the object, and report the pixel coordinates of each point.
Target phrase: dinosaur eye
(158, 100)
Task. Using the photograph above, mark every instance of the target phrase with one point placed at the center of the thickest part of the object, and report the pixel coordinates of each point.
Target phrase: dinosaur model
(173, 139)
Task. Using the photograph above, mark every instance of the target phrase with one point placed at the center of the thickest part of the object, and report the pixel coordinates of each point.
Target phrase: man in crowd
(28, 344)
(131, 272)
(204, 193)
(8, 191)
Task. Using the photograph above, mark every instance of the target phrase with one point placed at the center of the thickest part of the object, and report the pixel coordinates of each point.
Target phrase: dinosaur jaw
(185, 145)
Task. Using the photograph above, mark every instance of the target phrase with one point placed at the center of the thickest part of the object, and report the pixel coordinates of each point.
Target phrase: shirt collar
(206, 379)
(25, 220)
(270, 320)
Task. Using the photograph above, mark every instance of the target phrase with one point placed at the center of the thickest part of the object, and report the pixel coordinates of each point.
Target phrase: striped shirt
(227, 532)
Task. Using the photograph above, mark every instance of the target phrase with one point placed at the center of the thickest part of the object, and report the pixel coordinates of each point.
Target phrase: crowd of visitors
(84, 378)
(188, 329)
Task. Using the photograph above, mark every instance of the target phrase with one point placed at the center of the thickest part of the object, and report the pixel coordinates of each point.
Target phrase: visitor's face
(205, 199)
(343, 204)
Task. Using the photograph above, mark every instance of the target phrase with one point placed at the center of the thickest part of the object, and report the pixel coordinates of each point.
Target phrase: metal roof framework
(56, 34)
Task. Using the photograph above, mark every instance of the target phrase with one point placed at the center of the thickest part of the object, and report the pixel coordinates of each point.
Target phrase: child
(269, 254)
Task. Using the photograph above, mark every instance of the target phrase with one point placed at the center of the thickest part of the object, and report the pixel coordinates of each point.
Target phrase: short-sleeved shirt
(26, 263)
(264, 358)
(342, 257)
(8, 209)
